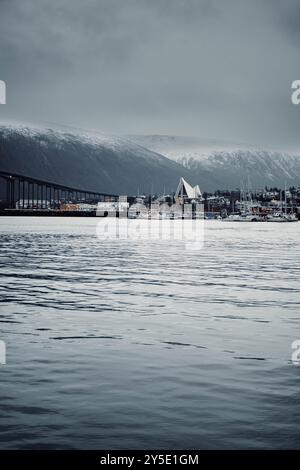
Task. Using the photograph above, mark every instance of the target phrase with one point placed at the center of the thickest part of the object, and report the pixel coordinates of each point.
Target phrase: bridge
(33, 193)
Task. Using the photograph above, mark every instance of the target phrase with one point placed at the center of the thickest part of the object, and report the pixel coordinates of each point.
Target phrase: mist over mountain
(226, 165)
(87, 160)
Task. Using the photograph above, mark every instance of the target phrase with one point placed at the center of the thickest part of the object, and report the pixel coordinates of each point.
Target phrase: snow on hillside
(83, 159)
(227, 164)
(63, 134)
(122, 164)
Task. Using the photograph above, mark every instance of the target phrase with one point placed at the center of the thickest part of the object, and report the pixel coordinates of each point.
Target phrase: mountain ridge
(228, 165)
(87, 160)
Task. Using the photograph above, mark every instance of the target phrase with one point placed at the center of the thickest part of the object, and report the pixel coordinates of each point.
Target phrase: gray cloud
(209, 68)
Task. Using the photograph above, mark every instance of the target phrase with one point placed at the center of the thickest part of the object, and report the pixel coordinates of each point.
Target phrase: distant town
(26, 196)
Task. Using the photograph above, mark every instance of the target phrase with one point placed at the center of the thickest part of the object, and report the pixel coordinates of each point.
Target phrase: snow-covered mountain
(226, 165)
(123, 165)
(86, 160)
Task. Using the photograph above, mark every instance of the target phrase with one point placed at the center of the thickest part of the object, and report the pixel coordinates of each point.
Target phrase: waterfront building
(186, 193)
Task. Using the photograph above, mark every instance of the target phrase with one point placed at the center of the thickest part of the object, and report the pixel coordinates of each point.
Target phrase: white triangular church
(187, 192)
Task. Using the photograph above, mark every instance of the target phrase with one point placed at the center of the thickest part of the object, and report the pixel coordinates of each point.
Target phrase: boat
(281, 217)
(246, 214)
(244, 217)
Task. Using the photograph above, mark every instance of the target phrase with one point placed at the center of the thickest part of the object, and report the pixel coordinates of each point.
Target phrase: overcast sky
(211, 68)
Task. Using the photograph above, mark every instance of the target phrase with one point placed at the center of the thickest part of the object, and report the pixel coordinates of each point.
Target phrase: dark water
(122, 344)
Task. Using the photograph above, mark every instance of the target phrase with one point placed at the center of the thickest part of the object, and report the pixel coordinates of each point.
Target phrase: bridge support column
(10, 192)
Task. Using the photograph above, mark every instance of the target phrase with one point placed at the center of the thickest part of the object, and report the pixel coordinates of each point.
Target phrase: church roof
(185, 189)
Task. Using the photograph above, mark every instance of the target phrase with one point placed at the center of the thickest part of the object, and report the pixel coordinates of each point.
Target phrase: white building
(187, 193)
(112, 208)
(32, 204)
